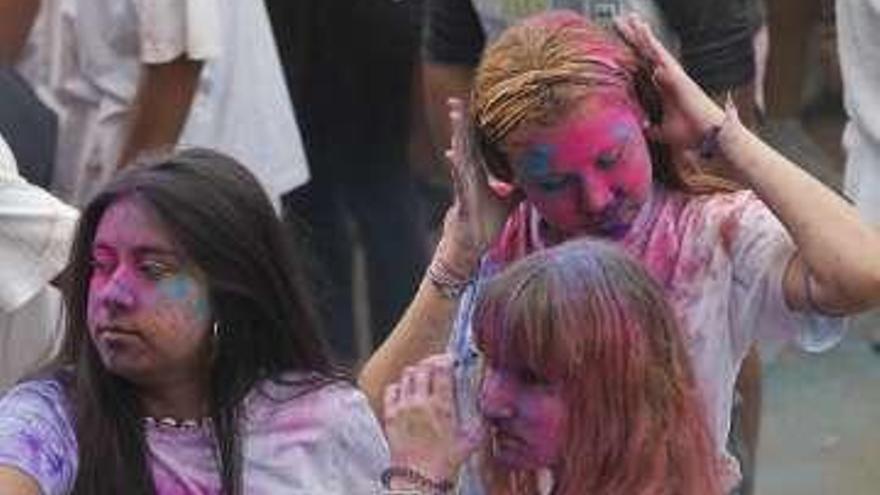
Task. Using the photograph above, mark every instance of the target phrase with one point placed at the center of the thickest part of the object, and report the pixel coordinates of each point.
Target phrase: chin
(128, 369)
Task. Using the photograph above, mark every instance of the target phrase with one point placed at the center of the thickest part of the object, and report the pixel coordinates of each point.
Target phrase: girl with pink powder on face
(607, 139)
(586, 386)
(192, 362)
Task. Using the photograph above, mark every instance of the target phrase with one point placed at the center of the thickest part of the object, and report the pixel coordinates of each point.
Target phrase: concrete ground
(821, 421)
(821, 413)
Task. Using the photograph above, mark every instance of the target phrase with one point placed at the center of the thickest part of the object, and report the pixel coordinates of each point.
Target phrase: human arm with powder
(836, 267)
(472, 223)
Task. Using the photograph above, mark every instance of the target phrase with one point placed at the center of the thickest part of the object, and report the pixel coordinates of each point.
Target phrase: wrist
(719, 134)
(462, 260)
(403, 478)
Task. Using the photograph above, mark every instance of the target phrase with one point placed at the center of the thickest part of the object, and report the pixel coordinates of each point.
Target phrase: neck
(178, 399)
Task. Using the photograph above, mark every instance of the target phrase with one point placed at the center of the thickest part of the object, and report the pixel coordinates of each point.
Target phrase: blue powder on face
(536, 162)
(202, 308)
(176, 288)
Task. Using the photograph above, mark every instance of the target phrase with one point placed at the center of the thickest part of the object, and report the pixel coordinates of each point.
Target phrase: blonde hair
(538, 71)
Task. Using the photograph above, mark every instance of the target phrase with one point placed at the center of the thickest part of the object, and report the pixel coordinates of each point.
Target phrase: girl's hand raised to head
(423, 429)
(688, 112)
(479, 210)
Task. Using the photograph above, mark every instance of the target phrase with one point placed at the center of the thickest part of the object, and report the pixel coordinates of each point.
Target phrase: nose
(116, 294)
(496, 396)
(597, 196)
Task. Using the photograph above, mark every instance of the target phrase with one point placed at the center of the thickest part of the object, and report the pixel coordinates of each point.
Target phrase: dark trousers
(385, 215)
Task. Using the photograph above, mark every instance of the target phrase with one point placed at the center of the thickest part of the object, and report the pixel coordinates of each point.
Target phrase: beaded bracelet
(416, 478)
(448, 283)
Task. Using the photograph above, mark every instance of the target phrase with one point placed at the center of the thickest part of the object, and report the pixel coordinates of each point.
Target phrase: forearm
(841, 251)
(162, 105)
(424, 330)
(16, 19)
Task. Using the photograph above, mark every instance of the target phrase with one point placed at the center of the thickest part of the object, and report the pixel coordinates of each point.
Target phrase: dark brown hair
(218, 213)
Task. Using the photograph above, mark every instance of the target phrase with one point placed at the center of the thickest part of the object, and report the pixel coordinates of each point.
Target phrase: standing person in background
(350, 67)
(35, 233)
(136, 75)
(28, 125)
(858, 38)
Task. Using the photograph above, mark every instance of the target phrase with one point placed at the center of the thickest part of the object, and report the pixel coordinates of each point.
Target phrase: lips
(505, 438)
(114, 330)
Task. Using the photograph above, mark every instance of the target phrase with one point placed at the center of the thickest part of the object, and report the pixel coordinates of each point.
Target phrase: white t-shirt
(85, 58)
(35, 234)
(858, 40)
(721, 260)
(496, 15)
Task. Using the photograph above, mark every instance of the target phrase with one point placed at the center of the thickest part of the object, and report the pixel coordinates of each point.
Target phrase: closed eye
(101, 266)
(609, 159)
(553, 183)
(155, 270)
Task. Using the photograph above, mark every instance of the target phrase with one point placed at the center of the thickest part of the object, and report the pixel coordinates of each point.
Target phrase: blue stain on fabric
(536, 162)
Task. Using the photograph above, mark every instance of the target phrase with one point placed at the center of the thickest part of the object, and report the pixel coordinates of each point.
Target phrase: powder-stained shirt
(326, 442)
(721, 260)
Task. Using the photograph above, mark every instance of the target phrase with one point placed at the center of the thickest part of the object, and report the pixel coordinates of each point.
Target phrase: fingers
(391, 400)
(638, 33)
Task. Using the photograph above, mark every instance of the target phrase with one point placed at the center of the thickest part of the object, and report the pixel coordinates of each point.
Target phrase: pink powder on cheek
(580, 142)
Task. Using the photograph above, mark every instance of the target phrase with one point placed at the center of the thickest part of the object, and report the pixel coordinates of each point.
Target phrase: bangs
(545, 323)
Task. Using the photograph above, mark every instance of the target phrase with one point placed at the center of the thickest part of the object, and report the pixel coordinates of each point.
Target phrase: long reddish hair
(585, 315)
(540, 69)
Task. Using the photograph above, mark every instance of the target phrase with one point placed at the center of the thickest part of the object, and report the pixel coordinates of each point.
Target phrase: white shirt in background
(35, 234)
(84, 59)
(858, 40)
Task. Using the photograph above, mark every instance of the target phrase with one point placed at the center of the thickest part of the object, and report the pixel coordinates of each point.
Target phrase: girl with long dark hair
(192, 361)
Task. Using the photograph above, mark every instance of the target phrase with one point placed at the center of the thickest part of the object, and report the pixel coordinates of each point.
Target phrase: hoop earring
(215, 330)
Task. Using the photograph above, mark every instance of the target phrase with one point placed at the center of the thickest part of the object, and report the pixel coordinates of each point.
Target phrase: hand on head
(688, 112)
(421, 422)
(480, 209)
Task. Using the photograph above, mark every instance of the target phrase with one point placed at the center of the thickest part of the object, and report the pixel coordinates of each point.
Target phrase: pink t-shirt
(721, 259)
(326, 441)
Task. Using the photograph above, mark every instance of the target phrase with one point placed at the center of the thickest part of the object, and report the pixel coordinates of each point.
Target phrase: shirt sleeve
(36, 436)
(453, 34)
(761, 254)
(36, 230)
(171, 28)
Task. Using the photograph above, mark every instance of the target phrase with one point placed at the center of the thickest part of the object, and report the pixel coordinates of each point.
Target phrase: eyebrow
(143, 250)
